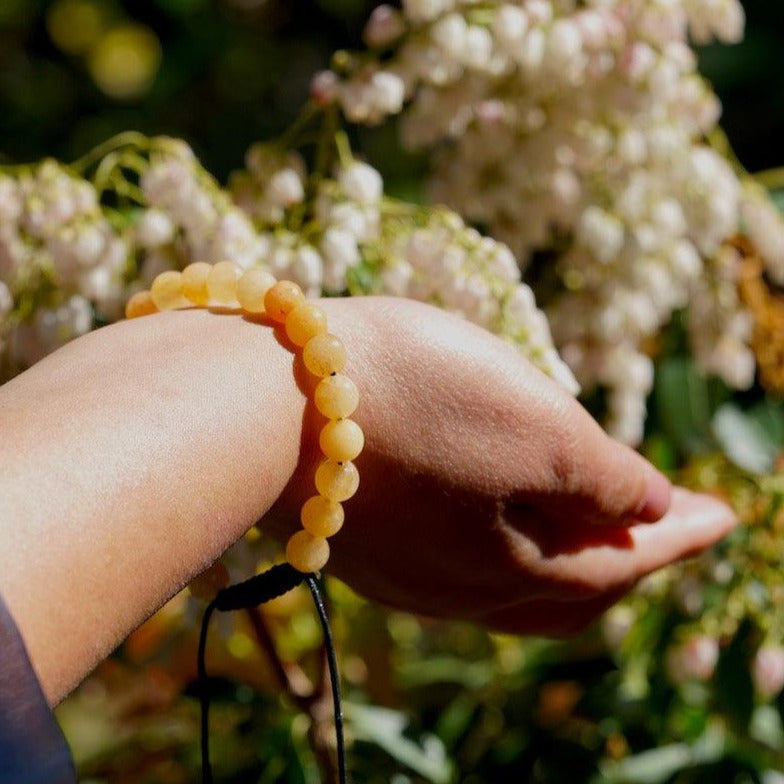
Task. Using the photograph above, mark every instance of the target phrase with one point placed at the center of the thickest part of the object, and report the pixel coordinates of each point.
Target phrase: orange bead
(166, 291)
(324, 355)
(321, 517)
(281, 299)
(336, 396)
(341, 440)
(305, 322)
(337, 481)
(307, 553)
(194, 282)
(251, 289)
(140, 304)
(222, 283)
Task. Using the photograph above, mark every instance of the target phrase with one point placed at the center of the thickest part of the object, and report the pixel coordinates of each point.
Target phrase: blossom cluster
(188, 216)
(578, 128)
(61, 262)
(350, 237)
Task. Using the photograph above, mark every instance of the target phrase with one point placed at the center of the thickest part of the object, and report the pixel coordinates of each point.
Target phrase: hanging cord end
(257, 590)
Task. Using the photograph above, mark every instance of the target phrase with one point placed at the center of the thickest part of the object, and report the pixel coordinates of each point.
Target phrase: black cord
(332, 661)
(204, 696)
(258, 590)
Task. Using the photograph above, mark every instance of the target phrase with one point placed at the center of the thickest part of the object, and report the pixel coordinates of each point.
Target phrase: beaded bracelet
(254, 292)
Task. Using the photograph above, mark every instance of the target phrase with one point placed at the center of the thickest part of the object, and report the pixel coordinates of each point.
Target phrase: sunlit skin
(132, 457)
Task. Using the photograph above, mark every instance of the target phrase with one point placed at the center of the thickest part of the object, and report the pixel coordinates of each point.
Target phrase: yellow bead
(281, 299)
(252, 287)
(194, 282)
(307, 553)
(341, 440)
(336, 396)
(305, 322)
(222, 283)
(324, 355)
(166, 291)
(140, 304)
(321, 517)
(337, 481)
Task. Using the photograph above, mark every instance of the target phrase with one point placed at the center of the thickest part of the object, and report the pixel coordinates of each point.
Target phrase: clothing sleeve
(32, 747)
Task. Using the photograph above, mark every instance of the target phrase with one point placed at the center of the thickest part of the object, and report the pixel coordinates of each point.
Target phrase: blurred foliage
(426, 701)
(219, 74)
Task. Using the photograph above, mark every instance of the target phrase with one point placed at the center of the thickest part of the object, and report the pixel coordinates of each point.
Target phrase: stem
(291, 135)
(323, 151)
(122, 187)
(291, 678)
(125, 139)
(104, 172)
(719, 141)
(344, 148)
(772, 179)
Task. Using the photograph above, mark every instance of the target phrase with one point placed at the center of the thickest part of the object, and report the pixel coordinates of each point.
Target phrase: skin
(132, 457)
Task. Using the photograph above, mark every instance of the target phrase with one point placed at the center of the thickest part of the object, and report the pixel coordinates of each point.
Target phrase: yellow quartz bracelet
(255, 291)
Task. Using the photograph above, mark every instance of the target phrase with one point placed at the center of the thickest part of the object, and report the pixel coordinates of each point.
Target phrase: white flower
(450, 33)
(285, 188)
(6, 300)
(510, 24)
(767, 670)
(426, 10)
(601, 233)
(361, 182)
(389, 92)
(306, 269)
(696, 659)
(155, 228)
(324, 88)
(385, 25)
(339, 247)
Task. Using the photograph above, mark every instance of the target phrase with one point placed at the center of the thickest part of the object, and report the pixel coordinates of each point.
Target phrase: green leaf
(658, 765)
(446, 669)
(384, 728)
(777, 197)
(745, 439)
(766, 727)
(685, 401)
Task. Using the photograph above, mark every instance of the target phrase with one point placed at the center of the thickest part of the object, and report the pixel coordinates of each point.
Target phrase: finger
(694, 522)
(605, 482)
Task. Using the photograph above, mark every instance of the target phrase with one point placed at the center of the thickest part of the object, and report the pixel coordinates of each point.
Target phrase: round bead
(324, 355)
(337, 481)
(321, 517)
(281, 299)
(336, 396)
(252, 287)
(194, 282)
(305, 322)
(222, 282)
(307, 553)
(166, 291)
(140, 304)
(341, 440)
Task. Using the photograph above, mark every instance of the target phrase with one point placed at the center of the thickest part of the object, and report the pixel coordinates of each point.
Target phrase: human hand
(486, 491)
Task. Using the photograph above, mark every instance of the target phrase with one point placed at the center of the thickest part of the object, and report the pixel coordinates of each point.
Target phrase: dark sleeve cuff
(32, 747)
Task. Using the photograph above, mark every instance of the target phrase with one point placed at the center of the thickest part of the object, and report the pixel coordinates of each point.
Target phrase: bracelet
(255, 291)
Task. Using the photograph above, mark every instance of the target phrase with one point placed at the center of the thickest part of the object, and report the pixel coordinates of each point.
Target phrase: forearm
(129, 461)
